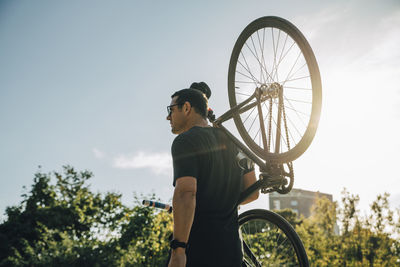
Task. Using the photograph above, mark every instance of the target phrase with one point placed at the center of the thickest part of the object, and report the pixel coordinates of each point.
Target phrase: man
(208, 182)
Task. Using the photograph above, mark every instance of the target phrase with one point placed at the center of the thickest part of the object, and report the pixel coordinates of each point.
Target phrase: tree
(61, 222)
(363, 241)
(318, 233)
(65, 224)
(145, 239)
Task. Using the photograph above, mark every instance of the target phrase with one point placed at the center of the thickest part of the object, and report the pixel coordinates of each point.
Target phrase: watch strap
(176, 244)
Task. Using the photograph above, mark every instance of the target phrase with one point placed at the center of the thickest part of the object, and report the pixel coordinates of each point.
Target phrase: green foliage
(65, 224)
(61, 222)
(318, 234)
(145, 239)
(371, 240)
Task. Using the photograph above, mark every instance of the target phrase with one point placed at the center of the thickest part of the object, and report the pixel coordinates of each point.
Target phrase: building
(299, 200)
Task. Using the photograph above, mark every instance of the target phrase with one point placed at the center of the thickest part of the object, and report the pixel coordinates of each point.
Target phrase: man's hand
(178, 258)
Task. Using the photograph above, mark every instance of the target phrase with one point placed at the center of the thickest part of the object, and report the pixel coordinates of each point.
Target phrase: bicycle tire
(301, 89)
(266, 235)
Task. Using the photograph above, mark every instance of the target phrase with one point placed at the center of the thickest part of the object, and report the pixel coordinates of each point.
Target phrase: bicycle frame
(268, 178)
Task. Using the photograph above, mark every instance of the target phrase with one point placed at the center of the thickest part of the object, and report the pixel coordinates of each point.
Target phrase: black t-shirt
(208, 155)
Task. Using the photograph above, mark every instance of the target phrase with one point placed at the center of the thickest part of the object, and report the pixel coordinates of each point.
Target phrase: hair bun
(203, 87)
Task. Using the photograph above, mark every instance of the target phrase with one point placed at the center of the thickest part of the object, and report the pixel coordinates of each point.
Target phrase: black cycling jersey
(207, 154)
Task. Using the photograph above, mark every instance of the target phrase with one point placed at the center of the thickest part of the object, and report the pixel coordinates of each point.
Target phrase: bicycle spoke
(249, 115)
(243, 94)
(245, 82)
(288, 101)
(275, 52)
(300, 134)
(283, 48)
(281, 244)
(273, 48)
(302, 66)
(290, 72)
(305, 114)
(294, 73)
(255, 117)
(247, 65)
(277, 45)
(294, 126)
(262, 53)
(280, 57)
(251, 255)
(297, 79)
(248, 69)
(255, 81)
(300, 101)
(287, 52)
(298, 88)
(258, 61)
(263, 45)
(257, 134)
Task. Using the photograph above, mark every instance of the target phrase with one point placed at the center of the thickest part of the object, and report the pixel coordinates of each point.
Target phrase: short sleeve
(184, 158)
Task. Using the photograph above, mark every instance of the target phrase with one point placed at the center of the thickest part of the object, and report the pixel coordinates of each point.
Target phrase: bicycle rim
(272, 53)
(269, 240)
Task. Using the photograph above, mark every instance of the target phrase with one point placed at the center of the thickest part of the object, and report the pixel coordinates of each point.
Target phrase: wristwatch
(176, 244)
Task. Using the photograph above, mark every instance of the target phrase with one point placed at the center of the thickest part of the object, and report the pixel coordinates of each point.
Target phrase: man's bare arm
(184, 203)
(249, 179)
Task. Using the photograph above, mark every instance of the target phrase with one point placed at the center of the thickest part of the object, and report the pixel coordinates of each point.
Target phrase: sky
(86, 84)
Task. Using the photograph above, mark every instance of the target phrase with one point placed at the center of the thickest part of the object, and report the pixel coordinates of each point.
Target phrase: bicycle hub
(271, 91)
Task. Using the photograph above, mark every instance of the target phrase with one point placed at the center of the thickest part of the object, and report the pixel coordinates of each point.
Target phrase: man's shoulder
(194, 138)
(186, 138)
(183, 137)
(197, 131)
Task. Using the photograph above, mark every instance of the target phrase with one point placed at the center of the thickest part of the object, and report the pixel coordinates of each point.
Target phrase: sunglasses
(169, 108)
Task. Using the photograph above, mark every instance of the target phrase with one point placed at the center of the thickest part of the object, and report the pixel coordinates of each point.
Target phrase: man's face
(176, 117)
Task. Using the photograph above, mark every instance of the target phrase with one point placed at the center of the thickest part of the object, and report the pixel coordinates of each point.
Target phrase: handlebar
(158, 205)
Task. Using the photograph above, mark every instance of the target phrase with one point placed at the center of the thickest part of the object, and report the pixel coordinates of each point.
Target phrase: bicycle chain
(290, 175)
(285, 122)
(269, 124)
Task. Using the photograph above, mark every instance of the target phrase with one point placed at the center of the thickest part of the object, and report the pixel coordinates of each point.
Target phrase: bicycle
(255, 82)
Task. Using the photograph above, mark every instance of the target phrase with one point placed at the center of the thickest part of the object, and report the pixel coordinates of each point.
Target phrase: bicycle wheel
(269, 240)
(273, 55)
